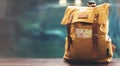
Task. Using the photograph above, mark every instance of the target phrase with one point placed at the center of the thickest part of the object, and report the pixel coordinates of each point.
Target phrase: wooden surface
(50, 62)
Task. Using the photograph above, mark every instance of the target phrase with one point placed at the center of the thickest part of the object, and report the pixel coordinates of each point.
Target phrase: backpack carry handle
(91, 4)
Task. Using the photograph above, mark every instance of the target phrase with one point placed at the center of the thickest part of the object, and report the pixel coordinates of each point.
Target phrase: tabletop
(50, 62)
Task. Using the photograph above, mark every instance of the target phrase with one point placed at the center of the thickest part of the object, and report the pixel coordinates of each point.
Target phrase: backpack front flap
(81, 32)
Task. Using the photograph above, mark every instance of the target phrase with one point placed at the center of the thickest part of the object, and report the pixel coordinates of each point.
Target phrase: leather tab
(83, 16)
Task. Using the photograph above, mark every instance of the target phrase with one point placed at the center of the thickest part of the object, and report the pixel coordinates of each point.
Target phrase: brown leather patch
(83, 16)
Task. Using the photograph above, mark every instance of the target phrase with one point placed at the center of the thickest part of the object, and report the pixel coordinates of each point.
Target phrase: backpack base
(106, 60)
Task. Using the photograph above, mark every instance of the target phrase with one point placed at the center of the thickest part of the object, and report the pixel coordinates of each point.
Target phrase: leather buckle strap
(95, 45)
(95, 35)
(68, 32)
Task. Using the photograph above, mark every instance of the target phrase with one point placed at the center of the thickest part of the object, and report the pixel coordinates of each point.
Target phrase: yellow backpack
(87, 33)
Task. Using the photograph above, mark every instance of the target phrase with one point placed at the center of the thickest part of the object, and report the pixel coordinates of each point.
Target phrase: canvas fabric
(81, 32)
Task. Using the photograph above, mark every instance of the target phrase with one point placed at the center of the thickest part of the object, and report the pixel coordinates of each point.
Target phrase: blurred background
(32, 29)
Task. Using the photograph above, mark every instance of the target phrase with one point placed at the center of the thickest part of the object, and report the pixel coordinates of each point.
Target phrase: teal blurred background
(32, 29)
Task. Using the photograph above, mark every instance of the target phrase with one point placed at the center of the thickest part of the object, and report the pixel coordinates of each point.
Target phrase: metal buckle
(95, 36)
